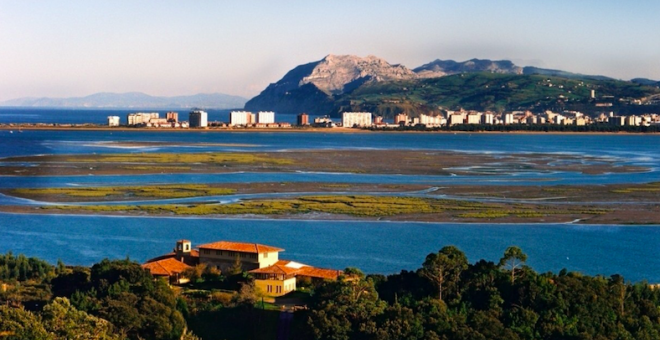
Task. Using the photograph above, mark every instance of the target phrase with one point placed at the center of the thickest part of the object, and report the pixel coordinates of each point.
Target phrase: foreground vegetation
(446, 298)
(357, 206)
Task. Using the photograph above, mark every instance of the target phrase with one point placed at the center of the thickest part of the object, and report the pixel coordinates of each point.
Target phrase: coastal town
(266, 120)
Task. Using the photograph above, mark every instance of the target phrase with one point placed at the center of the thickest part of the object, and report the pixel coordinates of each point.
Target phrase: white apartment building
(431, 121)
(240, 118)
(508, 118)
(361, 119)
(633, 120)
(138, 118)
(487, 119)
(473, 118)
(455, 119)
(265, 117)
(198, 119)
(113, 120)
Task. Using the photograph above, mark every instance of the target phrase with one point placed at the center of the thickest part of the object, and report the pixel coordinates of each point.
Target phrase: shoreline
(307, 130)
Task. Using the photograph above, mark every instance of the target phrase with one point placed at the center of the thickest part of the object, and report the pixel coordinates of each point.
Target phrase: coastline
(308, 130)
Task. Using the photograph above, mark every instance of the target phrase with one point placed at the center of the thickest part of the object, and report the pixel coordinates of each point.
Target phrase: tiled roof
(284, 267)
(240, 247)
(166, 267)
(192, 260)
(279, 268)
(322, 273)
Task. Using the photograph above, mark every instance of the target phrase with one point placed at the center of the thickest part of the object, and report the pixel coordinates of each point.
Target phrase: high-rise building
(113, 120)
(265, 117)
(172, 117)
(360, 119)
(401, 119)
(302, 119)
(141, 118)
(198, 119)
(240, 118)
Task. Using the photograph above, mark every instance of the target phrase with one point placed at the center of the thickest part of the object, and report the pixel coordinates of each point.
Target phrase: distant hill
(559, 73)
(439, 68)
(492, 91)
(644, 81)
(135, 100)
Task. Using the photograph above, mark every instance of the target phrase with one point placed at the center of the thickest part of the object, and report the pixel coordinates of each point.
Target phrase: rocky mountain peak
(336, 74)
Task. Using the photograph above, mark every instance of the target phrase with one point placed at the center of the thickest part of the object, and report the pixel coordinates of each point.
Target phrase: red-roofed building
(275, 277)
(169, 268)
(280, 278)
(224, 254)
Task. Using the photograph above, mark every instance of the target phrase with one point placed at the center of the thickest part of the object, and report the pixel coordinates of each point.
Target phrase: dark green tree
(444, 268)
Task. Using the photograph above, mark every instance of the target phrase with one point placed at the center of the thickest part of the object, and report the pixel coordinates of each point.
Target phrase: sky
(165, 48)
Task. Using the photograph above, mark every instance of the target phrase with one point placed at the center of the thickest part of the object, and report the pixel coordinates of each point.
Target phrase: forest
(447, 297)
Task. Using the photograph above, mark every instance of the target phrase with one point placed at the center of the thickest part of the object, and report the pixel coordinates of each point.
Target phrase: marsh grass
(156, 191)
(359, 206)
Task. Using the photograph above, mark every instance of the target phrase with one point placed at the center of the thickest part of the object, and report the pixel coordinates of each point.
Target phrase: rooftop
(166, 267)
(240, 247)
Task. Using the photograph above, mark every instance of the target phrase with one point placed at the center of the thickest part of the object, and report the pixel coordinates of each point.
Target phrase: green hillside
(490, 91)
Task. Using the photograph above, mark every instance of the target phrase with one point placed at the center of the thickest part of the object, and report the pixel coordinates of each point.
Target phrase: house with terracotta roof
(280, 278)
(273, 276)
(224, 254)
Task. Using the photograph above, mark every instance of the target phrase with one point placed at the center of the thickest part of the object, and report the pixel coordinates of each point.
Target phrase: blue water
(375, 247)
(381, 247)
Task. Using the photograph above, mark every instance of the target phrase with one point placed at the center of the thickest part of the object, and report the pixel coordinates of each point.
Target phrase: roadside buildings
(359, 119)
(113, 120)
(198, 119)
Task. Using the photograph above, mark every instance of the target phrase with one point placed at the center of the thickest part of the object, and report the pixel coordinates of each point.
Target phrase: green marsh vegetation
(358, 206)
(155, 191)
(175, 158)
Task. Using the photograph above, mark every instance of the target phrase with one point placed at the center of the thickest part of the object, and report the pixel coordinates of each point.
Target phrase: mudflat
(408, 162)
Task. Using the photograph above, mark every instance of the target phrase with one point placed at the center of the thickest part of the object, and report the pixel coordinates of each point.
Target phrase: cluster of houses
(272, 275)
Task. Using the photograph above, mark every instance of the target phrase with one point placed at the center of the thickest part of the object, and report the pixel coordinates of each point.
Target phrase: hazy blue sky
(76, 48)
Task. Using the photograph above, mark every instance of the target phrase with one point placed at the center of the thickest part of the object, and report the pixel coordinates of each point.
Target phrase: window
(243, 255)
(231, 254)
(206, 251)
(278, 289)
(253, 256)
(265, 255)
(269, 288)
(218, 252)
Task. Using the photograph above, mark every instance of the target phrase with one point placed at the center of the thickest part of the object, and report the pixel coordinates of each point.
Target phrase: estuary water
(374, 246)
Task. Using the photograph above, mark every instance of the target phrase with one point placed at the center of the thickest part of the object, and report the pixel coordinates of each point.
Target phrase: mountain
(644, 81)
(559, 73)
(311, 87)
(439, 68)
(324, 86)
(136, 100)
